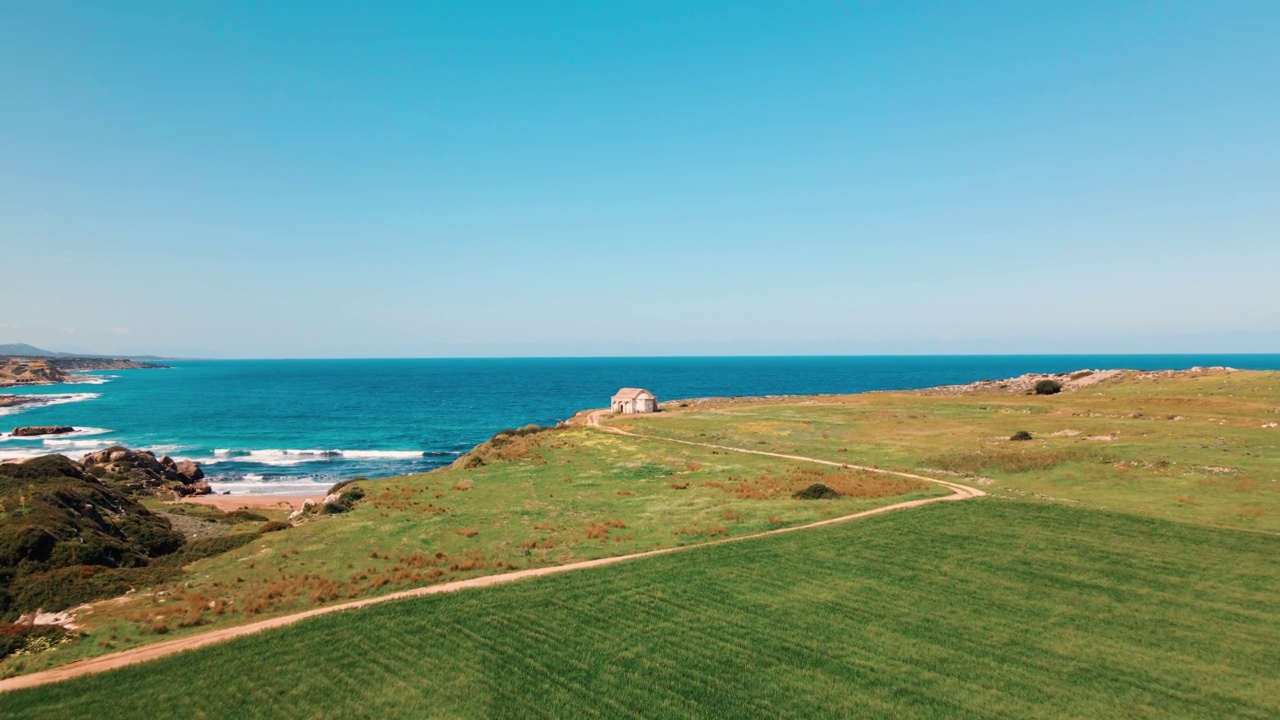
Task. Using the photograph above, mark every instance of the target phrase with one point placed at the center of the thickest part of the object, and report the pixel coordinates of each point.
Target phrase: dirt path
(163, 649)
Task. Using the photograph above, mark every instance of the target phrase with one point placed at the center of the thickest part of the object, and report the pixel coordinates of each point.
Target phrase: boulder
(190, 470)
(307, 505)
(42, 430)
(139, 472)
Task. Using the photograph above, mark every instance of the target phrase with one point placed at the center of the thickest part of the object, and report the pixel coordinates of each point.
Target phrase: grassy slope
(986, 608)
(550, 506)
(1193, 449)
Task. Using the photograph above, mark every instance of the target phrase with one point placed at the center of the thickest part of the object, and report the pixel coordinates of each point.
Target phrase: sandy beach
(227, 503)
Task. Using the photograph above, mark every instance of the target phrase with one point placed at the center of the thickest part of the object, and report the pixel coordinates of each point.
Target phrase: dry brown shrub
(680, 486)
(729, 514)
(416, 559)
(693, 466)
(624, 492)
(775, 520)
(468, 532)
(600, 531)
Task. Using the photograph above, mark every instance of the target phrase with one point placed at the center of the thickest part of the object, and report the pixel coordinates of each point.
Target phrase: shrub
(336, 507)
(32, 638)
(816, 491)
(340, 485)
(70, 586)
(1020, 435)
(274, 526)
(1048, 387)
(202, 548)
(239, 516)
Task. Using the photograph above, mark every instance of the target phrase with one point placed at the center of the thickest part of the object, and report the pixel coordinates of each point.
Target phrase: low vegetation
(1048, 387)
(58, 524)
(976, 609)
(1199, 447)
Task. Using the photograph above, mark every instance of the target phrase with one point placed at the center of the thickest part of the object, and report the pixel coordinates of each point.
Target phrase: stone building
(634, 400)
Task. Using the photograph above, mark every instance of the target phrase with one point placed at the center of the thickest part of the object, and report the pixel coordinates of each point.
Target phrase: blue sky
(495, 179)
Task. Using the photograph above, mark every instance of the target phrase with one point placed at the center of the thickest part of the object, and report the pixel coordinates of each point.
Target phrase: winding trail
(155, 651)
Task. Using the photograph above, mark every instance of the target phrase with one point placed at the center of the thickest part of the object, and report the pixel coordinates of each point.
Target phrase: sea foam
(47, 400)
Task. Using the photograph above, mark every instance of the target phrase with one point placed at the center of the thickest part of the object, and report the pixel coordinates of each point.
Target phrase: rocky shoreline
(20, 371)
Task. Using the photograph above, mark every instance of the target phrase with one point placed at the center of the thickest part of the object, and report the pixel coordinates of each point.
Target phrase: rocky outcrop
(33, 430)
(139, 472)
(18, 371)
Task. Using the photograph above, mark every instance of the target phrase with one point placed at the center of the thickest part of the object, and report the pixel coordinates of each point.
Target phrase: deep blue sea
(289, 426)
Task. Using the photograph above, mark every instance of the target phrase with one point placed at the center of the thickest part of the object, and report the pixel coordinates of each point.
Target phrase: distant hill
(25, 350)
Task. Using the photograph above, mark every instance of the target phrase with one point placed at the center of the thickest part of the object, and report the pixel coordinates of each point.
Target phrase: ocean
(297, 426)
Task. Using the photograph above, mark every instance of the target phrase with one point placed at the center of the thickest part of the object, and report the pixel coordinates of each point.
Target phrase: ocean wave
(47, 400)
(251, 484)
(58, 445)
(290, 457)
(91, 379)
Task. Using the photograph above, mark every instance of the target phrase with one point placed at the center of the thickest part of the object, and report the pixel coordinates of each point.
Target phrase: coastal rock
(139, 472)
(190, 470)
(307, 505)
(42, 430)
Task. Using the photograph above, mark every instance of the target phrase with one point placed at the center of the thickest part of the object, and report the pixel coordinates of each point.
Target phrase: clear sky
(598, 178)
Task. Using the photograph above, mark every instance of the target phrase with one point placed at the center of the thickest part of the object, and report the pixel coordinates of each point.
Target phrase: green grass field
(988, 608)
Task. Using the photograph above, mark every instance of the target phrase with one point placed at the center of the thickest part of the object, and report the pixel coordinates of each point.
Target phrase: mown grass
(1201, 448)
(989, 608)
(538, 500)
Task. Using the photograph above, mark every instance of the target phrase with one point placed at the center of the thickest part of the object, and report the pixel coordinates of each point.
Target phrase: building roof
(631, 394)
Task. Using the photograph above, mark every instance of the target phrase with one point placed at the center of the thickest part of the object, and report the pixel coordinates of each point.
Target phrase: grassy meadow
(1201, 448)
(985, 608)
(1124, 565)
(544, 499)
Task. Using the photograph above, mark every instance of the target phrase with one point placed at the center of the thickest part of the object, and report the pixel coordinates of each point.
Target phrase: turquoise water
(291, 425)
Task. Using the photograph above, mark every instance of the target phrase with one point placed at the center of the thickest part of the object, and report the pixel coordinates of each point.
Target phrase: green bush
(1048, 387)
(816, 491)
(68, 587)
(344, 483)
(1020, 435)
(18, 637)
(239, 516)
(202, 548)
